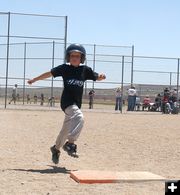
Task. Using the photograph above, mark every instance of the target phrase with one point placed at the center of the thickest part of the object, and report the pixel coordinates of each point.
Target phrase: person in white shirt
(131, 98)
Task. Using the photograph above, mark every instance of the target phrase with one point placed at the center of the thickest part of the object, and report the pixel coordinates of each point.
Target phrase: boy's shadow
(54, 169)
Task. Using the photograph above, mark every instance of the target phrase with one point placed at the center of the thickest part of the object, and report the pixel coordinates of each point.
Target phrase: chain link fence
(24, 55)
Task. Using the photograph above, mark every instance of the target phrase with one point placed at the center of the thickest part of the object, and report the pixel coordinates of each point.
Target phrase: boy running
(74, 77)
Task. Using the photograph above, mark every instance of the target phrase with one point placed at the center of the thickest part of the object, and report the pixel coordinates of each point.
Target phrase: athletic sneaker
(71, 149)
(55, 154)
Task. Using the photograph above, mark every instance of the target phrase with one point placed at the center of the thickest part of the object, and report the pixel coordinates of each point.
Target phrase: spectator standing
(14, 94)
(42, 99)
(91, 98)
(118, 105)
(131, 98)
(35, 99)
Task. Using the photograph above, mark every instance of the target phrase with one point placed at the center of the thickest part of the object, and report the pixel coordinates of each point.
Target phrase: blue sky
(151, 26)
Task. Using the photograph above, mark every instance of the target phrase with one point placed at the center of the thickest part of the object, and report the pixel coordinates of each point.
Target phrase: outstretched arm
(101, 77)
(40, 77)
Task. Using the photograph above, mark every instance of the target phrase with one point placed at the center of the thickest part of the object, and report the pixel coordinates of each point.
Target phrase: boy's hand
(101, 77)
(30, 81)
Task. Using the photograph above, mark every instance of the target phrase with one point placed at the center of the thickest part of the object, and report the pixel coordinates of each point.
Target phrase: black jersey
(73, 78)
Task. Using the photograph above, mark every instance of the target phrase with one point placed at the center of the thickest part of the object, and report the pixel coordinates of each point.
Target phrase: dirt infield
(134, 141)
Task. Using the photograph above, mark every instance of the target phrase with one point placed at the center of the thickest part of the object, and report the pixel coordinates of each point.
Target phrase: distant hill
(106, 94)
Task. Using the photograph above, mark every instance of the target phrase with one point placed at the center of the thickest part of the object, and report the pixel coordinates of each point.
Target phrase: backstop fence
(25, 54)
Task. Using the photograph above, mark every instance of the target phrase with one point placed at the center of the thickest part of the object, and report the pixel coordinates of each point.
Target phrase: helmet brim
(74, 50)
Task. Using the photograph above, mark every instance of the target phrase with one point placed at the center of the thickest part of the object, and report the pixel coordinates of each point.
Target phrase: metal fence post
(178, 80)
(52, 80)
(24, 78)
(170, 80)
(94, 62)
(122, 83)
(7, 58)
(132, 66)
(85, 81)
(65, 38)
